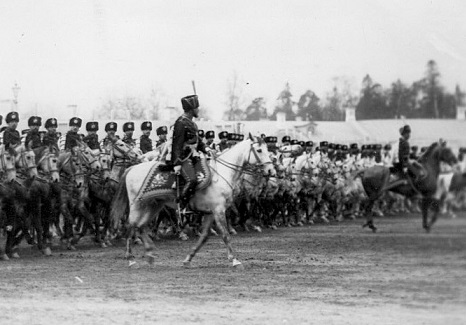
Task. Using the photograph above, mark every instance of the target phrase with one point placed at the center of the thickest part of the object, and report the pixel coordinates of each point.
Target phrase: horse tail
(120, 203)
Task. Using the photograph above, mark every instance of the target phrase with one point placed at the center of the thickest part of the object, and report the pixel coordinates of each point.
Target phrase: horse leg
(425, 204)
(369, 217)
(221, 222)
(129, 239)
(436, 208)
(208, 221)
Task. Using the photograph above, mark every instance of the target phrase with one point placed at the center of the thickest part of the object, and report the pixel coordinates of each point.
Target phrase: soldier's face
(13, 125)
(111, 134)
(146, 132)
(91, 132)
(52, 130)
(129, 133)
(163, 137)
(34, 127)
(196, 112)
(74, 128)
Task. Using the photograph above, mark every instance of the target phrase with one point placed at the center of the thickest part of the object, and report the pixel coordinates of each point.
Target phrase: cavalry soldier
(186, 145)
(128, 129)
(403, 150)
(162, 134)
(201, 135)
(51, 136)
(11, 137)
(110, 128)
(286, 140)
(209, 137)
(414, 153)
(222, 145)
(33, 136)
(72, 136)
(92, 139)
(145, 143)
(271, 144)
(309, 146)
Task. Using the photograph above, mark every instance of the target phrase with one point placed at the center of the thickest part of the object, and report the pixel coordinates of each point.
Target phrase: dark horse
(377, 179)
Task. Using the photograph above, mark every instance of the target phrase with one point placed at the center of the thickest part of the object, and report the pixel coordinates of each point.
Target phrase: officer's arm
(178, 142)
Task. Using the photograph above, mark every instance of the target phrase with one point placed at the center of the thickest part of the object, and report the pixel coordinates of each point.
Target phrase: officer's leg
(189, 174)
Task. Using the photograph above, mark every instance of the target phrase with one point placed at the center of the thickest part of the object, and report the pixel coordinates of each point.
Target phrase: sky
(86, 52)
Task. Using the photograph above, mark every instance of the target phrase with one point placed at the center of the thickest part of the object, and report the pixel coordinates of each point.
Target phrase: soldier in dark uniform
(128, 129)
(404, 149)
(186, 145)
(92, 138)
(72, 136)
(201, 135)
(309, 145)
(162, 134)
(51, 136)
(209, 137)
(271, 144)
(414, 153)
(11, 137)
(223, 144)
(145, 143)
(33, 136)
(110, 128)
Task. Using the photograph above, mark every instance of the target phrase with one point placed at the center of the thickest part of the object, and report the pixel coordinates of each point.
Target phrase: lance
(194, 87)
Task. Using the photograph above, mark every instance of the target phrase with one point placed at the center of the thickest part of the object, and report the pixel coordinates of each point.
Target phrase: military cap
(75, 121)
(34, 121)
(388, 146)
(364, 147)
(25, 131)
(161, 130)
(263, 135)
(147, 125)
(223, 135)
(338, 146)
(301, 143)
(111, 126)
(231, 137)
(270, 139)
(323, 144)
(286, 138)
(462, 149)
(201, 133)
(190, 102)
(210, 134)
(12, 117)
(51, 123)
(92, 126)
(378, 147)
(344, 147)
(317, 149)
(293, 142)
(128, 126)
(331, 146)
(405, 129)
(309, 144)
(354, 146)
(414, 148)
(240, 137)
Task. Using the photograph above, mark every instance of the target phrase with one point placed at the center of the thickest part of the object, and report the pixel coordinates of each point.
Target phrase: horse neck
(432, 162)
(236, 156)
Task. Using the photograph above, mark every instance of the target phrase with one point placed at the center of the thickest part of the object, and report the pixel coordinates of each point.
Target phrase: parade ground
(336, 273)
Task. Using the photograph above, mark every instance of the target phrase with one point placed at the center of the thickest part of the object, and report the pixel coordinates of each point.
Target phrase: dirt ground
(320, 274)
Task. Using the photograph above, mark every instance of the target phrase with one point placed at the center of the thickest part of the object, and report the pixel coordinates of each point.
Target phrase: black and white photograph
(224, 162)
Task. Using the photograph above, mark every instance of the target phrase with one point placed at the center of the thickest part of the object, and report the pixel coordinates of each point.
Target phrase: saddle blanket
(161, 181)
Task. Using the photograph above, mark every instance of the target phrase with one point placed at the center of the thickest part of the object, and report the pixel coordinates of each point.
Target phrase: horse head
(26, 160)
(47, 162)
(73, 168)
(7, 164)
(105, 161)
(123, 150)
(259, 155)
(87, 156)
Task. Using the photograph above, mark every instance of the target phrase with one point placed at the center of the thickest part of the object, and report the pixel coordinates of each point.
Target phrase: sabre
(178, 198)
(194, 87)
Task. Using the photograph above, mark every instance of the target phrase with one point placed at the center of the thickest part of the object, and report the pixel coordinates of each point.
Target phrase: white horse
(212, 201)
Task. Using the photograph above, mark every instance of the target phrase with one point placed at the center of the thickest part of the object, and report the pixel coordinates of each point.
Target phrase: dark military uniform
(184, 146)
(403, 153)
(159, 143)
(11, 138)
(129, 140)
(34, 137)
(92, 140)
(145, 143)
(50, 139)
(72, 140)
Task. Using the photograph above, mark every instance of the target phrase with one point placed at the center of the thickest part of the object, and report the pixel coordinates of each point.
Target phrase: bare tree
(234, 99)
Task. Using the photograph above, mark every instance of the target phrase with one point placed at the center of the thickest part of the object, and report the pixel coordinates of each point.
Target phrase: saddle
(161, 181)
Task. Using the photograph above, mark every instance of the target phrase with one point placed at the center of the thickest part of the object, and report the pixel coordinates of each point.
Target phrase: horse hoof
(183, 236)
(151, 258)
(187, 263)
(71, 247)
(258, 229)
(103, 245)
(374, 229)
(47, 251)
(237, 264)
(233, 232)
(4, 257)
(129, 256)
(14, 255)
(300, 224)
(137, 241)
(273, 227)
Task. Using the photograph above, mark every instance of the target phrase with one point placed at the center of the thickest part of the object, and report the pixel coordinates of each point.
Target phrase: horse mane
(428, 152)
